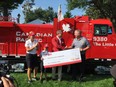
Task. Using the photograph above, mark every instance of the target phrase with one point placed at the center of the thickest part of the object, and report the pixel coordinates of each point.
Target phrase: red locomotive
(99, 32)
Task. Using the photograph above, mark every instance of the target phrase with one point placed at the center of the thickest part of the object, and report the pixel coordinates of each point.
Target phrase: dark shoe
(41, 80)
(114, 82)
(82, 79)
(46, 78)
(54, 79)
(29, 81)
(74, 78)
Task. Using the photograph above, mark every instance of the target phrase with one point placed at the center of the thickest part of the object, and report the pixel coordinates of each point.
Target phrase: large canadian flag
(60, 15)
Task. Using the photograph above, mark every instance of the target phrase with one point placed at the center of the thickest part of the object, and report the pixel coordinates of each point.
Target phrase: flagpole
(60, 16)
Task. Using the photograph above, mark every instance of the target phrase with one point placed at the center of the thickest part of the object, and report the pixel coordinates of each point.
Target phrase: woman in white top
(31, 46)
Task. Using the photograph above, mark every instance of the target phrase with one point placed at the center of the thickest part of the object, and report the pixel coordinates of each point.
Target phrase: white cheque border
(61, 58)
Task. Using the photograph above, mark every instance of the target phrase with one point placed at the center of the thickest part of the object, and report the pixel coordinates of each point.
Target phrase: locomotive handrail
(9, 18)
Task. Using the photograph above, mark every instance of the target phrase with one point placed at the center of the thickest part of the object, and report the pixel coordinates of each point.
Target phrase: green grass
(91, 81)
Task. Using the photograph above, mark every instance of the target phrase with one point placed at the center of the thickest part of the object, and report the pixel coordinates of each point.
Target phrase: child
(43, 53)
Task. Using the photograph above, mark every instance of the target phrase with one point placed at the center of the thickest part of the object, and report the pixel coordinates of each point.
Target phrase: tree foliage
(46, 15)
(67, 14)
(96, 8)
(6, 5)
(93, 13)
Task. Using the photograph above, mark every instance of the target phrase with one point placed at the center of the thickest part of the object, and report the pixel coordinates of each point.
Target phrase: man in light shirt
(31, 46)
(82, 43)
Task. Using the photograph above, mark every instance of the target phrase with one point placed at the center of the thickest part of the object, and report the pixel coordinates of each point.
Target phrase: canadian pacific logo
(66, 27)
(22, 36)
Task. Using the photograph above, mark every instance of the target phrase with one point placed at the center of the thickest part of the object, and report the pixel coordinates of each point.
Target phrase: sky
(45, 4)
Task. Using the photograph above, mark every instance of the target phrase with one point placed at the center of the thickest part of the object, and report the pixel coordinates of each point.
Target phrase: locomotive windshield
(100, 29)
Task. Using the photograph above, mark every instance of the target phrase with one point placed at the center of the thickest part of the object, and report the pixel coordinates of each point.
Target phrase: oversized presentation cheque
(60, 58)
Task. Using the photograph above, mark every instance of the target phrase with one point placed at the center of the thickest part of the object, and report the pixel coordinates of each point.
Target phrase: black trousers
(42, 69)
(31, 60)
(79, 67)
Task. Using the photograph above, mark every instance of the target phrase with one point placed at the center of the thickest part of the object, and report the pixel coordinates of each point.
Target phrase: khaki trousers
(59, 72)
